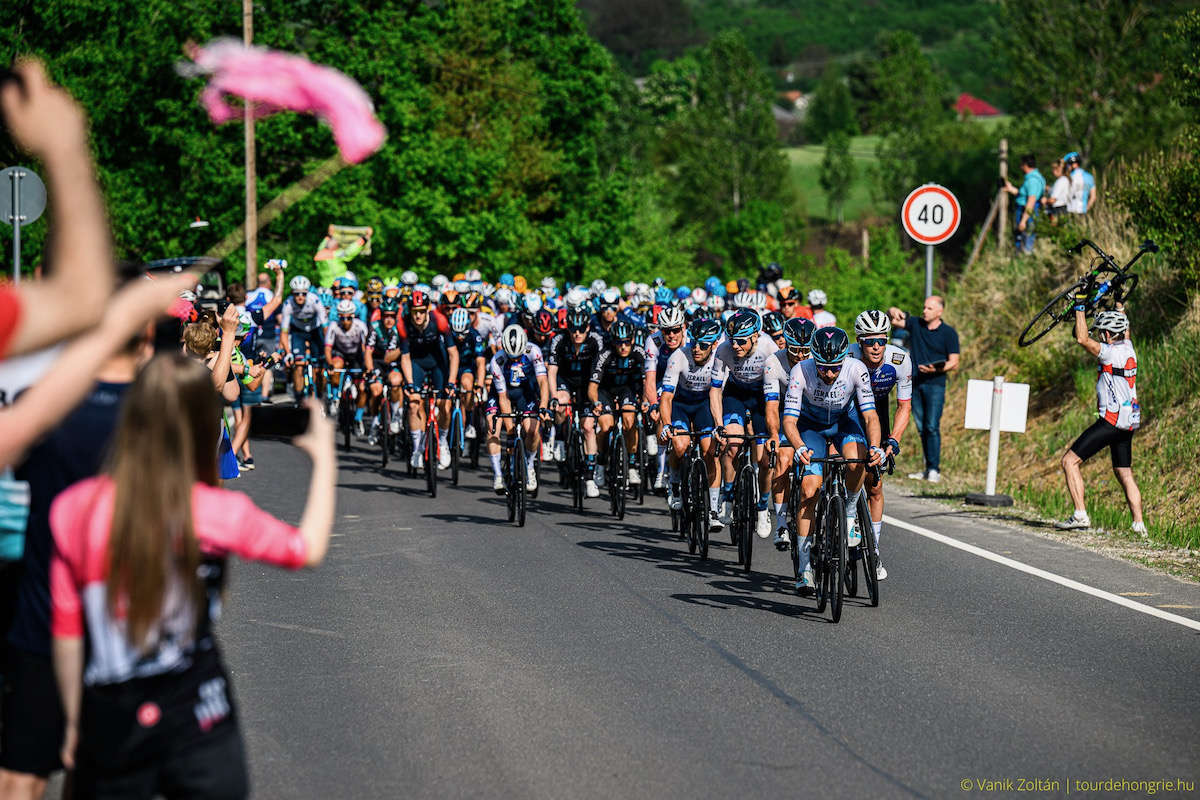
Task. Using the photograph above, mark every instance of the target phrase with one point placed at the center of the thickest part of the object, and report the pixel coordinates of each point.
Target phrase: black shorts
(1104, 434)
(618, 397)
(31, 715)
(208, 769)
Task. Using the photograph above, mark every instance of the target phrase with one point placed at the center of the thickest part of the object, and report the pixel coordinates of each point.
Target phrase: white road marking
(1041, 573)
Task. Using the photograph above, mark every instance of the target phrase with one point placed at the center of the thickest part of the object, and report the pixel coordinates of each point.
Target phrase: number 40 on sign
(930, 215)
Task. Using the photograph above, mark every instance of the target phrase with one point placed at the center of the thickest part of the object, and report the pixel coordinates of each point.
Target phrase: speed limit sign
(931, 214)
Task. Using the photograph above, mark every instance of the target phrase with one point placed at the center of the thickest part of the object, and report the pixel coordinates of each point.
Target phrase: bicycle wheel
(510, 494)
(575, 468)
(867, 549)
(749, 509)
(1054, 312)
(431, 455)
(618, 474)
(735, 522)
(346, 420)
(698, 488)
(1124, 287)
(385, 431)
(835, 522)
(639, 455)
(819, 555)
(519, 469)
(455, 442)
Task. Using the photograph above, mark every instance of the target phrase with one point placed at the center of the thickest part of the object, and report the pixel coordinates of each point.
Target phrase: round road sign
(931, 214)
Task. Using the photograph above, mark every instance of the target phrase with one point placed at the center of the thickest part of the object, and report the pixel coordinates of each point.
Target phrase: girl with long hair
(137, 574)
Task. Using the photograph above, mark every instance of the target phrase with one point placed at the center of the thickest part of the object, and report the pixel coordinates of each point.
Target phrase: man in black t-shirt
(934, 347)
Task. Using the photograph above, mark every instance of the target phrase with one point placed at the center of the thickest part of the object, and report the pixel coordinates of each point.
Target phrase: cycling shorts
(1104, 434)
(617, 397)
(694, 416)
(466, 366)
(350, 360)
(429, 370)
(519, 400)
(381, 373)
(816, 438)
(741, 407)
(311, 341)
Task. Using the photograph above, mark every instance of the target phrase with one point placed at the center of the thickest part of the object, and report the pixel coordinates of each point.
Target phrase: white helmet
(598, 286)
(630, 288)
(514, 340)
(670, 317)
(643, 288)
(408, 277)
(549, 283)
(742, 300)
(439, 281)
(872, 322)
(576, 296)
(699, 295)
(611, 296)
(503, 296)
(1112, 321)
(473, 275)
(533, 303)
(817, 298)
(346, 308)
(300, 284)
(462, 287)
(758, 301)
(716, 303)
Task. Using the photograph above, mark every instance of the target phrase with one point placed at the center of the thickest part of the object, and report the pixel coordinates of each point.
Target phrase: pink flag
(276, 81)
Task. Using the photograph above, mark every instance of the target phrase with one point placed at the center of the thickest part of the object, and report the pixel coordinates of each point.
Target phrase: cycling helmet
(829, 346)
(576, 297)
(460, 320)
(711, 284)
(326, 297)
(716, 303)
(519, 283)
(544, 323)
(770, 273)
(472, 300)
(578, 320)
(462, 286)
(598, 286)
(245, 323)
(503, 296)
(347, 308)
(300, 284)
(472, 275)
(350, 280)
(742, 300)
(699, 295)
(408, 277)
(743, 284)
(773, 323)
(1112, 321)
(391, 305)
(630, 288)
(621, 331)
(375, 286)
(798, 331)
(731, 287)
(670, 318)
(743, 323)
(610, 297)
(639, 336)
(549, 283)
(788, 294)
(721, 292)
(663, 295)
(683, 293)
(439, 281)
(419, 300)
(506, 279)
(872, 323)
(758, 301)
(817, 298)
(514, 340)
(705, 331)
(532, 303)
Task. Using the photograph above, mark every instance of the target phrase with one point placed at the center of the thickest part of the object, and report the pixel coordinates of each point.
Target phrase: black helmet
(390, 305)
(621, 331)
(743, 323)
(639, 336)
(798, 331)
(705, 331)
(773, 323)
(578, 320)
(829, 346)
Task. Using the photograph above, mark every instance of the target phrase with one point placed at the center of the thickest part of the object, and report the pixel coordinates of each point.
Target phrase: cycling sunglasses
(789, 302)
(347, 316)
(879, 342)
(300, 295)
(829, 369)
(743, 341)
(621, 342)
(422, 309)
(677, 329)
(577, 328)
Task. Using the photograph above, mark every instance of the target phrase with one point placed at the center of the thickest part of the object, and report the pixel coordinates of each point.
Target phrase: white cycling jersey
(894, 373)
(775, 378)
(743, 373)
(821, 404)
(823, 319)
(349, 342)
(1116, 392)
(303, 317)
(514, 373)
(688, 380)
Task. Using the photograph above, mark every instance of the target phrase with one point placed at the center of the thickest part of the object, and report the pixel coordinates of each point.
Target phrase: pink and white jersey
(823, 319)
(225, 523)
(1116, 392)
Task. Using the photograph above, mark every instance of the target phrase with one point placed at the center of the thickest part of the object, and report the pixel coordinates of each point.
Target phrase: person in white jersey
(797, 336)
(1117, 409)
(820, 317)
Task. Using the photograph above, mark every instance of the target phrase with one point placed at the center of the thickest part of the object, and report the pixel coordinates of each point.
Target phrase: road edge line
(1043, 574)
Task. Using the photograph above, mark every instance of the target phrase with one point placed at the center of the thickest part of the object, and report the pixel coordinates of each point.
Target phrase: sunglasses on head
(878, 342)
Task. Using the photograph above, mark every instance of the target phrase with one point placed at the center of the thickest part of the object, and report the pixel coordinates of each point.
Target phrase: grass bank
(805, 163)
(990, 305)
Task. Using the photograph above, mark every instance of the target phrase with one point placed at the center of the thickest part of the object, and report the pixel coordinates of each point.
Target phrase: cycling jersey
(471, 346)
(818, 404)
(657, 354)
(518, 374)
(428, 344)
(895, 372)
(744, 373)
(1116, 393)
(613, 371)
(382, 341)
(686, 379)
(351, 342)
(574, 366)
(309, 316)
(823, 319)
(776, 375)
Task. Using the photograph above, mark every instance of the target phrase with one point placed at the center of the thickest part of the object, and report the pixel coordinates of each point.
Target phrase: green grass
(805, 163)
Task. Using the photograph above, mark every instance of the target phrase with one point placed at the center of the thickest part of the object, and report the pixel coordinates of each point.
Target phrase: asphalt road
(441, 652)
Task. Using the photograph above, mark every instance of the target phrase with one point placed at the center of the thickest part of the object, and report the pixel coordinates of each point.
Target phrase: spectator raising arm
(45, 121)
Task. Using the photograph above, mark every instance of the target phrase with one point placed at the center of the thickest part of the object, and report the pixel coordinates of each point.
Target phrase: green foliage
(837, 173)
(892, 278)
(831, 108)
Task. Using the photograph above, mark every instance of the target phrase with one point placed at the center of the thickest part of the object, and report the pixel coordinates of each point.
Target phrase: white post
(16, 223)
(994, 434)
(928, 270)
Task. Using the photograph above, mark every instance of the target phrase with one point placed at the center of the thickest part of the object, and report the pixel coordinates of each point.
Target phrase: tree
(831, 110)
(837, 173)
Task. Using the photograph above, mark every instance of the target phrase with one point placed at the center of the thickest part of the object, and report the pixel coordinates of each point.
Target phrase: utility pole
(1001, 199)
(251, 170)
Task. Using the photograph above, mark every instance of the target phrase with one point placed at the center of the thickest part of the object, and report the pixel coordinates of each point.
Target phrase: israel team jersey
(814, 401)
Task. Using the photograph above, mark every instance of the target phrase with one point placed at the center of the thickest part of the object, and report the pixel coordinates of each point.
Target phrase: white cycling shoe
(444, 458)
(530, 480)
(674, 501)
(762, 524)
(660, 481)
(547, 451)
(715, 523)
(417, 460)
(651, 445)
(599, 475)
(498, 484)
(853, 537)
(394, 426)
(880, 572)
(634, 477)
(782, 542)
(470, 433)
(591, 489)
(560, 451)
(806, 585)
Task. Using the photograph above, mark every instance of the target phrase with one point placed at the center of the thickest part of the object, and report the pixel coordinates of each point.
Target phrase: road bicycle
(1107, 284)
(456, 437)
(745, 493)
(574, 469)
(617, 466)
(691, 520)
(866, 552)
(341, 400)
(429, 397)
(513, 466)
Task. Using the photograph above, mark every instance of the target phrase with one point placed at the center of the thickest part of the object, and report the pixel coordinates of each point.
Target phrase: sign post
(930, 215)
(22, 204)
(1005, 410)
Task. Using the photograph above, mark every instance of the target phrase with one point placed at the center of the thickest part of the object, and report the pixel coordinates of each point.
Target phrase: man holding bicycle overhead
(518, 385)
(427, 355)
(797, 338)
(738, 403)
(346, 348)
(1117, 408)
(890, 368)
(819, 410)
(683, 405)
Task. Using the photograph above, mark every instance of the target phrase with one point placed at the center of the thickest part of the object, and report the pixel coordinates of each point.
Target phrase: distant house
(973, 106)
(796, 100)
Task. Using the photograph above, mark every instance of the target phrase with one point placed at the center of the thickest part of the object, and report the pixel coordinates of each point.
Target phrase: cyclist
(1118, 412)
(819, 410)
(384, 345)
(660, 346)
(738, 404)
(540, 330)
(602, 323)
(797, 335)
(346, 288)
(568, 366)
(303, 330)
(346, 348)
(773, 326)
(890, 368)
(789, 304)
(519, 384)
(374, 300)
(616, 387)
(816, 304)
(428, 356)
(472, 364)
(684, 405)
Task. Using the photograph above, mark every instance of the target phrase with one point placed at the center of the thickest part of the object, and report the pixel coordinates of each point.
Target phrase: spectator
(260, 300)
(1083, 185)
(820, 317)
(935, 352)
(1028, 197)
(1060, 192)
(45, 121)
(146, 544)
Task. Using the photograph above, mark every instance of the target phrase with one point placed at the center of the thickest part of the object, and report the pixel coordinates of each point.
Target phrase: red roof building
(966, 104)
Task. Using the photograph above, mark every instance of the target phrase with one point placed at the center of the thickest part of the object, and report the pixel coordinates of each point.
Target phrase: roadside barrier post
(1006, 411)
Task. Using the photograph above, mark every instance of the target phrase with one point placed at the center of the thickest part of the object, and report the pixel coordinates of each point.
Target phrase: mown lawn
(806, 172)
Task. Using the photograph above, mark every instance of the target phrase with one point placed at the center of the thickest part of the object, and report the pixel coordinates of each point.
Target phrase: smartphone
(939, 365)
